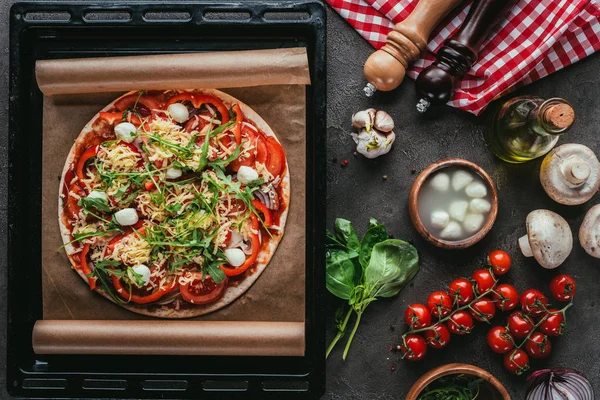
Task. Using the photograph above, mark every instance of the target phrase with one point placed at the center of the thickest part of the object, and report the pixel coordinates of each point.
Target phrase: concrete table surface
(359, 192)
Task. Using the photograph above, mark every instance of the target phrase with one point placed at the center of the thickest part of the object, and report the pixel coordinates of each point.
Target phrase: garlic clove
(441, 182)
(383, 122)
(364, 119)
(458, 210)
(476, 189)
(373, 144)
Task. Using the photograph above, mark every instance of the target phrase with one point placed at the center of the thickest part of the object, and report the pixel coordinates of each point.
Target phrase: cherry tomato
(201, 291)
(413, 348)
(553, 325)
(519, 324)
(500, 262)
(417, 316)
(506, 297)
(484, 280)
(499, 340)
(516, 361)
(460, 323)
(483, 309)
(534, 302)
(538, 345)
(438, 337)
(440, 304)
(563, 287)
(461, 290)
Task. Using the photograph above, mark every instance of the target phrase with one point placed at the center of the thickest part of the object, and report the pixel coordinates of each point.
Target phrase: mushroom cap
(558, 182)
(550, 238)
(589, 232)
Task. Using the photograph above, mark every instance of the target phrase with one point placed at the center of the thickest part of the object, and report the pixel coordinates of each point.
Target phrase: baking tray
(72, 30)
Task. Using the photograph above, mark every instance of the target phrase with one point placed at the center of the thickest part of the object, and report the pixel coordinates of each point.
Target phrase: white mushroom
(476, 189)
(473, 222)
(570, 174)
(461, 179)
(383, 122)
(439, 219)
(458, 210)
(480, 206)
(452, 231)
(549, 238)
(589, 232)
(373, 144)
(441, 182)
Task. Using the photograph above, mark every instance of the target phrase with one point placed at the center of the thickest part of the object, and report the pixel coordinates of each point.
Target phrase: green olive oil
(528, 127)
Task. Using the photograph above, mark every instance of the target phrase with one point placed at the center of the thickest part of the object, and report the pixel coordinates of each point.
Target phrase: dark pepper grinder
(436, 83)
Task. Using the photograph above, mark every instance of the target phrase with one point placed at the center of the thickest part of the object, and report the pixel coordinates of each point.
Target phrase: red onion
(559, 384)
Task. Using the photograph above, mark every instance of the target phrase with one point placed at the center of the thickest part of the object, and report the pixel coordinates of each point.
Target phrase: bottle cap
(560, 115)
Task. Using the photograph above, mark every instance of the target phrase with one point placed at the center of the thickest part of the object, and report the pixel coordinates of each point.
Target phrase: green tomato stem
(358, 315)
(340, 334)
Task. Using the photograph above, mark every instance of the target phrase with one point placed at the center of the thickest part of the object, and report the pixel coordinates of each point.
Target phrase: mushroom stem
(525, 247)
(575, 170)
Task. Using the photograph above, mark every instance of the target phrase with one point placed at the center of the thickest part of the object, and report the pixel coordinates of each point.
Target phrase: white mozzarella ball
(178, 112)
(452, 231)
(95, 194)
(126, 216)
(125, 131)
(461, 179)
(440, 182)
(245, 175)
(458, 210)
(476, 189)
(439, 219)
(480, 206)
(473, 222)
(173, 173)
(235, 257)
(144, 271)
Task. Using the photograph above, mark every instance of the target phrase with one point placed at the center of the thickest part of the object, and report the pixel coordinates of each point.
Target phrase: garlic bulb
(373, 144)
(364, 119)
(383, 122)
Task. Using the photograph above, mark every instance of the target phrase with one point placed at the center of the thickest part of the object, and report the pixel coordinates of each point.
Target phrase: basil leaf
(212, 268)
(346, 234)
(341, 272)
(375, 234)
(392, 265)
(89, 203)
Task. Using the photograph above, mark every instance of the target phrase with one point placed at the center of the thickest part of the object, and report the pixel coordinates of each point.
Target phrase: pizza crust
(231, 292)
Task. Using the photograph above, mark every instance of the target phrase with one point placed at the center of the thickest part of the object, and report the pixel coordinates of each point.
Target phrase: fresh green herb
(81, 236)
(137, 278)
(204, 155)
(102, 272)
(453, 387)
(360, 271)
(174, 208)
(222, 163)
(89, 204)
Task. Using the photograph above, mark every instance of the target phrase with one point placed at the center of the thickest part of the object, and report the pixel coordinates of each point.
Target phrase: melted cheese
(118, 158)
(131, 250)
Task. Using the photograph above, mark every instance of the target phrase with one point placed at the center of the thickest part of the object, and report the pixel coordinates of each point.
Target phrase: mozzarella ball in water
(235, 257)
(173, 173)
(461, 179)
(245, 175)
(126, 216)
(452, 231)
(441, 182)
(439, 219)
(476, 189)
(144, 271)
(125, 131)
(95, 194)
(178, 112)
(458, 210)
(480, 206)
(473, 222)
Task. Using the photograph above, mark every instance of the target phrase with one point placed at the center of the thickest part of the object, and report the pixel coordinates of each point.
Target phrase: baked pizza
(172, 202)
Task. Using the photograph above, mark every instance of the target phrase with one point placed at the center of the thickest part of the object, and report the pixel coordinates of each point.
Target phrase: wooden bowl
(413, 208)
(492, 389)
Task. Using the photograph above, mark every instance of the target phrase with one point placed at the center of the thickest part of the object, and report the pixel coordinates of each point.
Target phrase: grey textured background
(358, 192)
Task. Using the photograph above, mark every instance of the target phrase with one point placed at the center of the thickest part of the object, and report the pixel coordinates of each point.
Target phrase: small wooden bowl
(492, 389)
(413, 207)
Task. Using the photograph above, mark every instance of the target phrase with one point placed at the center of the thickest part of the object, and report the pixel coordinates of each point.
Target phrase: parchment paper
(277, 295)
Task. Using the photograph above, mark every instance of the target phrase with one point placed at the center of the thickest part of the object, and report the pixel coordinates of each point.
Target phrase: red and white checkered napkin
(536, 38)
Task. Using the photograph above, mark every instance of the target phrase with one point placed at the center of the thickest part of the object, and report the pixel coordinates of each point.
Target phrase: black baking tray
(73, 30)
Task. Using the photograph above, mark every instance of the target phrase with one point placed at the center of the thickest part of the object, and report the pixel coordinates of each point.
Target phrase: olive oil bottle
(528, 127)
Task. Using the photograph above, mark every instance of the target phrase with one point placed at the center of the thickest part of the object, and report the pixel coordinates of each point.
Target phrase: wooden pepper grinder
(385, 68)
(436, 83)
